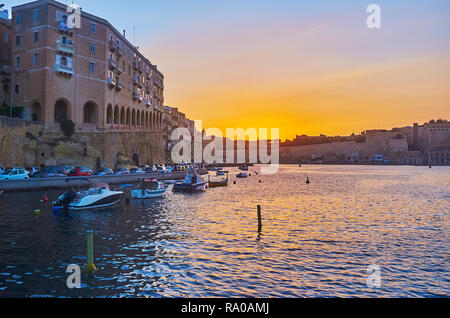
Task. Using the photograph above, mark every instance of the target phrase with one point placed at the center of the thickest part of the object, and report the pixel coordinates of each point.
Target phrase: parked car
(67, 169)
(169, 169)
(161, 168)
(104, 172)
(15, 174)
(50, 172)
(137, 171)
(2, 169)
(121, 171)
(32, 170)
(80, 172)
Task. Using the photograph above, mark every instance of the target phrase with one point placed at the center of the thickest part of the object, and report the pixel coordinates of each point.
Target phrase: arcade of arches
(117, 117)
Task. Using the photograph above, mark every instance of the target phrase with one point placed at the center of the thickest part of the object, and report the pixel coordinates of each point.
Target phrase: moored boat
(217, 183)
(191, 183)
(242, 175)
(149, 189)
(99, 196)
(244, 167)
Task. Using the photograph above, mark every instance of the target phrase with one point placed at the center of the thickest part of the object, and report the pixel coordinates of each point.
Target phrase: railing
(119, 70)
(112, 46)
(64, 69)
(111, 82)
(112, 64)
(119, 87)
(64, 47)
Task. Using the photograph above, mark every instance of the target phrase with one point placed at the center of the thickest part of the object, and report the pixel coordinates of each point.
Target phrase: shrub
(68, 127)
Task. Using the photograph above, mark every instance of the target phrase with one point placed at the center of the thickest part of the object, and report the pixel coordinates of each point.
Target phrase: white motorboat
(99, 196)
(149, 189)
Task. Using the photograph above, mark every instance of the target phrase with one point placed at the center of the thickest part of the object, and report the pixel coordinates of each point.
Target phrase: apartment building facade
(90, 74)
(5, 56)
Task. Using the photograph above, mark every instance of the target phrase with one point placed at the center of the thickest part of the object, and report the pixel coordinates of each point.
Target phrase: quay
(40, 184)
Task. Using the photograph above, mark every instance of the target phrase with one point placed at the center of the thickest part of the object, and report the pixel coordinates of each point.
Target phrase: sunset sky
(306, 67)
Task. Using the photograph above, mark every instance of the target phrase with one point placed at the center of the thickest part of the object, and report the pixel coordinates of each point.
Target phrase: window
(18, 19)
(36, 37)
(5, 37)
(36, 15)
(92, 48)
(35, 58)
(17, 61)
(18, 40)
(93, 28)
(92, 67)
(17, 89)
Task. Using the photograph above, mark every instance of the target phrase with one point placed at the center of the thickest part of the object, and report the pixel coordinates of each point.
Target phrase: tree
(68, 127)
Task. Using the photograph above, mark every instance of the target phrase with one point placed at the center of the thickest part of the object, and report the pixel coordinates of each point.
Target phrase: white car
(15, 174)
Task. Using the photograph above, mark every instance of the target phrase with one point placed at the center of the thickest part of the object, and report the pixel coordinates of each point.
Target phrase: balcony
(63, 28)
(159, 84)
(148, 89)
(135, 80)
(65, 48)
(137, 96)
(112, 64)
(148, 103)
(112, 46)
(111, 82)
(64, 69)
(119, 70)
(148, 76)
(119, 87)
(139, 84)
(140, 68)
(119, 51)
(135, 65)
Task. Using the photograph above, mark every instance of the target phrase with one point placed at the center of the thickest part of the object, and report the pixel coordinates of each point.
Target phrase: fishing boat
(220, 173)
(191, 183)
(217, 183)
(242, 175)
(98, 196)
(149, 189)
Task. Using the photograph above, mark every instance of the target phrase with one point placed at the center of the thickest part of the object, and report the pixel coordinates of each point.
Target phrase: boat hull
(218, 184)
(189, 187)
(96, 202)
(147, 194)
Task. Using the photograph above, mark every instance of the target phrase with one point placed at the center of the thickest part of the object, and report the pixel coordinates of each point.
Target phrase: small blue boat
(191, 183)
(242, 175)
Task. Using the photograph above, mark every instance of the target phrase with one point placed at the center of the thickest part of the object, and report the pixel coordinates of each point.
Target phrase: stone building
(5, 57)
(88, 73)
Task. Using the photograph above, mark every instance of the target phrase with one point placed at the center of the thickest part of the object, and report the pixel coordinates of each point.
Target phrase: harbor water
(317, 240)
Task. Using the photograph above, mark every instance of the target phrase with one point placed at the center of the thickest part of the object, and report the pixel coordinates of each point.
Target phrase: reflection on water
(317, 240)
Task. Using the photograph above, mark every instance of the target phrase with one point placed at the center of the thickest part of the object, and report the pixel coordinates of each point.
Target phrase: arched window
(90, 113)
(109, 115)
(116, 115)
(61, 111)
